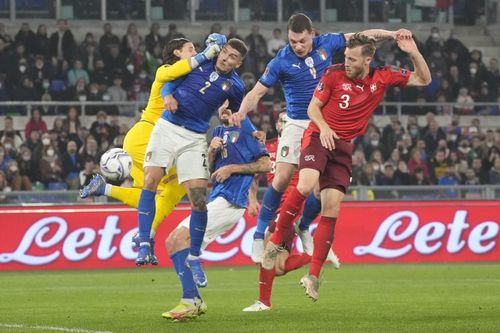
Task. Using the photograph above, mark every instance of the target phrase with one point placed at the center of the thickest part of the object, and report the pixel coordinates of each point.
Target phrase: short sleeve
(271, 73)
(333, 42)
(324, 88)
(396, 76)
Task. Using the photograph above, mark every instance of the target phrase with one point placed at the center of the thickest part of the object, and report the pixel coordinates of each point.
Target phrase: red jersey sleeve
(396, 76)
(324, 88)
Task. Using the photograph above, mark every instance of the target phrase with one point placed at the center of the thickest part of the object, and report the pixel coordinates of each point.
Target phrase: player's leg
(159, 157)
(287, 159)
(312, 208)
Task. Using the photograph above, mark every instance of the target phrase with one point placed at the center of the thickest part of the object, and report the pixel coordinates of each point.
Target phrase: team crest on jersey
(373, 87)
(284, 151)
(320, 86)
(347, 86)
(310, 62)
(226, 85)
(234, 137)
(213, 76)
(322, 54)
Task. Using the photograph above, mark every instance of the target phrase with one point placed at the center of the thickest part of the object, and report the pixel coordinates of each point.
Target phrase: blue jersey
(300, 76)
(239, 147)
(201, 94)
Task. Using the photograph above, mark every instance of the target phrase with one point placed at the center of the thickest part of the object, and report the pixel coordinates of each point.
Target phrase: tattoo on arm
(198, 197)
(263, 164)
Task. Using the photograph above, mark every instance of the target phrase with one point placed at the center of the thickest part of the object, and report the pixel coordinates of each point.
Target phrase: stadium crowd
(38, 66)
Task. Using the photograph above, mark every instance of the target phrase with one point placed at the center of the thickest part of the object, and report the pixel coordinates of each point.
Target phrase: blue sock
(146, 212)
(189, 289)
(270, 204)
(197, 226)
(312, 207)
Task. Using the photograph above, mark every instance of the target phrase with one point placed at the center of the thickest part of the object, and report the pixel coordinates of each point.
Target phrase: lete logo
(76, 245)
(427, 238)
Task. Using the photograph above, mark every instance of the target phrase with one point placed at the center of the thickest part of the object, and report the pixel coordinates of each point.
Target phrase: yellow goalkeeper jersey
(164, 73)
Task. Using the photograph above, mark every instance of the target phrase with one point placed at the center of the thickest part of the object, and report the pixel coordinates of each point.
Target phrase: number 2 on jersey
(205, 87)
(345, 101)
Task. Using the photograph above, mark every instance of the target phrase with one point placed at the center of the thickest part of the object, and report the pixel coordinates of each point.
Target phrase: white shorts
(222, 216)
(171, 144)
(290, 141)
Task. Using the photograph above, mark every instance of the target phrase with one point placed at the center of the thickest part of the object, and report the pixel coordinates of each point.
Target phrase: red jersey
(349, 103)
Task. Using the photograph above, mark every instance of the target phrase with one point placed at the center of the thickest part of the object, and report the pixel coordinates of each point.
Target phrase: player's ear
(177, 53)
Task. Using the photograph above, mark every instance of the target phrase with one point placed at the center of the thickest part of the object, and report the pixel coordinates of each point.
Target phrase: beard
(354, 72)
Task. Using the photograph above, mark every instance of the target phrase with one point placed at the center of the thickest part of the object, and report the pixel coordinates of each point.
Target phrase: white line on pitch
(52, 328)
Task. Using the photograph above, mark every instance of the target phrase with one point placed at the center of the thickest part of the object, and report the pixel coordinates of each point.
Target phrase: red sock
(288, 212)
(296, 261)
(266, 278)
(323, 238)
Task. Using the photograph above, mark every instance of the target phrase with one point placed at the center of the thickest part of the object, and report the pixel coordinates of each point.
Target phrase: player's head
(177, 49)
(225, 115)
(231, 56)
(358, 55)
(281, 122)
(300, 34)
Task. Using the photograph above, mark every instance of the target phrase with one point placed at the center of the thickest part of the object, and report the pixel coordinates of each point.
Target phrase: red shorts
(335, 167)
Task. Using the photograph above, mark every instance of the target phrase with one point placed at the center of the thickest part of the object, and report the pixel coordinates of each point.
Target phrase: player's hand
(218, 39)
(403, 34)
(220, 175)
(238, 117)
(253, 207)
(216, 143)
(260, 136)
(170, 103)
(211, 51)
(407, 45)
(327, 136)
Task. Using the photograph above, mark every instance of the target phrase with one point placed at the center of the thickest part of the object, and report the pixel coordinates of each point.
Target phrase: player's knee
(280, 182)
(170, 242)
(177, 240)
(198, 196)
(152, 178)
(305, 188)
(330, 209)
(279, 269)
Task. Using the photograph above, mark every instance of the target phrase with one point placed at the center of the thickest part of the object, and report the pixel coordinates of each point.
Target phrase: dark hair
(299, 22)
(168, 55)
(239, 46)
(367, 44)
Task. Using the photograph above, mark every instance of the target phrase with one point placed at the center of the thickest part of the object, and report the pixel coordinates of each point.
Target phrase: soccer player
(180, 137)
(340, 109)
(284, 262)
(298, 66)
(235, 156)
(180, 58)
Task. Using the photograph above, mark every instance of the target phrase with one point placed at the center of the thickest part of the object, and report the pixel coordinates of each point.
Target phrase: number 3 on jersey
(205, 87)
(345, 101)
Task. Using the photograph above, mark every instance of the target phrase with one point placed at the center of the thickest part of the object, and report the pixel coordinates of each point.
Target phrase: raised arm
(381, 34)
(422, 75)
(249, 102)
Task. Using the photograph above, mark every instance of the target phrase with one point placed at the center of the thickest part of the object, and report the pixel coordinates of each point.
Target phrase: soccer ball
(116, 164)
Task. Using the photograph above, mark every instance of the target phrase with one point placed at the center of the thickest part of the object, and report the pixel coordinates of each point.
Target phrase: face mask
(22, 68)
(46, 142)
(374, 142)
(137, 88)
(26, 157)
(46, 84)
(130, 68)
(8, 146)
(50, 152)
(453, 137)
(94, 91)
(106, 98)
(142, 76)
(376, 167)
(435, 35)
(13, 168)
(473, 70)
(82, 98)
(489, 144)
(414, 132)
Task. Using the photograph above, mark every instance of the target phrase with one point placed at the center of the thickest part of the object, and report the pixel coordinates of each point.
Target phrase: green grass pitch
(356, 298)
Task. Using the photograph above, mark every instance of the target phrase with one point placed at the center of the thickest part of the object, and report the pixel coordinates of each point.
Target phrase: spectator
(432, 137)
(100, 75)
(88, 41)
(4, 186)
(387, 178)
(115, 61)
(17, 181)
(131, 41)
(439, 165)
(5, 37)
(35, 123)
(89, 57)
(401, 175)
(442, 7)
(375, 144)
(26, 165)
(493, 75)
(107, 40)
(416, 162)
(71, 166)
(90, 150)
(434, 42)
(494, 173)
(77, 73)
(454, 45)
(173, 33)
(88, 171)
(71, 124)
(117, 93)
(62, 42)
(479, 171)
(27, 37)
(275, 43)
(475, 78)
(368, 177)
(9, 132)
(233, 33)
(50, 166)
(154, 39)
(4, 159)
(449, 179)
(419, 178)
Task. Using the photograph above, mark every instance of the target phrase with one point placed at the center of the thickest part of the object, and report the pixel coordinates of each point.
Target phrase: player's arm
(262, 165)
(327, 135)
(381, 34)
(422, 75)
(213, 149)
(253, 204)
(249, 102)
